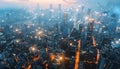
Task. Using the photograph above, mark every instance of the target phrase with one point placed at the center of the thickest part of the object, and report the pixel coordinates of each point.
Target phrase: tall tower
(51, 10)
(59, 7)
(76, 24)
(51, 6)
(90, 32)
(64, 26)
(89, 12)
(65, 17)
(59, 12)
(38, 6)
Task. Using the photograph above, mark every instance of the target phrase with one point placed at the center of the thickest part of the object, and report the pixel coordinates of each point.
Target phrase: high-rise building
(51, 10)
(59, 7)
(51, 6)
(65, 17)
(64, 25)
(59, 11)
(89, 11)
(90, 33)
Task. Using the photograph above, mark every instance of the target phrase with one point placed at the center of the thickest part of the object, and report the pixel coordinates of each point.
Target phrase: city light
(61, 58)
(59, 34)
(94, 42)
(117, 42)
(91, 20)
(39, 33)
(17, 40)
(52, 57)
(16, 29)
(42, 14)
(86, 17)
(77, 56)
(71, 44)
(33, 49)
(77, 10)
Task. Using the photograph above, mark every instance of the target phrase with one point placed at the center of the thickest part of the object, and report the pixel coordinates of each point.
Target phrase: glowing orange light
(46, 49)
(36, 58)
(98, 56)
(77, 56)
(94, 41)
(39, 32)
(33, 49)
(28, 67)
(61, 58)
(46, 66)
(52, 57)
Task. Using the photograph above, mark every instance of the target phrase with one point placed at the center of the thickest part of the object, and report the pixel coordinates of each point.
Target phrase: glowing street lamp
(40, 33)
(52, 57)
(17, 40)
(86, 17)
(16, 30)
(71, 44)
(60, 58)
(33, 49)
(42, 14)
(77, 10)
(117, 42)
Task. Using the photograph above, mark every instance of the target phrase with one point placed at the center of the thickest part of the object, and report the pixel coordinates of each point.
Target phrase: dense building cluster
(59, 38)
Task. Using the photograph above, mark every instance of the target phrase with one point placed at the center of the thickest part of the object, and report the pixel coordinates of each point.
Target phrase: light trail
(46, 65)
(28, 67)
(94, 41)
(77, 56)
(98, 56)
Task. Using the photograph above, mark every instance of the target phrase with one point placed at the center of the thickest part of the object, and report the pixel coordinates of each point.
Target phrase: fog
(42, 2)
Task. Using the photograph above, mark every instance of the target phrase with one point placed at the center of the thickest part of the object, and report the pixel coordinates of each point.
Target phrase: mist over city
(59, 34)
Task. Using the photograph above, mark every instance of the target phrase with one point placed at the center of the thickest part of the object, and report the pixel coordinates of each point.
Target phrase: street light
(33, 49)
(17, 40)
(39, 33)
(60, 58)
(77, 10)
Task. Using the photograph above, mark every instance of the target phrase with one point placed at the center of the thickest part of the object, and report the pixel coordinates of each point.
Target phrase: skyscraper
(51, 6)
(59, 7)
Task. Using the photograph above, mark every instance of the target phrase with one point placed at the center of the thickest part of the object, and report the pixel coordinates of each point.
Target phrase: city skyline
(65, 3)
